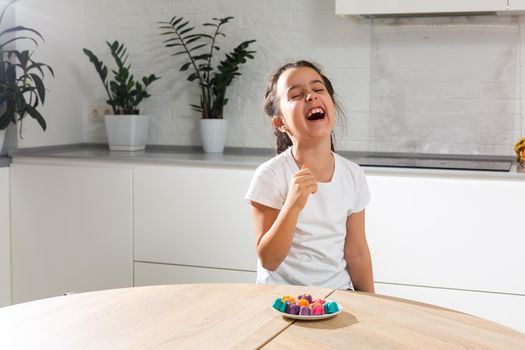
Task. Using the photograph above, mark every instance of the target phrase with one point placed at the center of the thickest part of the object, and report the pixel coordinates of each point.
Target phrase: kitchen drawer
(147, 274)
(508, 310)
(460, 233)
(194, 216)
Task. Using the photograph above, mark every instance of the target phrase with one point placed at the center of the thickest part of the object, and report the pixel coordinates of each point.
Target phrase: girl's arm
(357, 254)
(274, 228)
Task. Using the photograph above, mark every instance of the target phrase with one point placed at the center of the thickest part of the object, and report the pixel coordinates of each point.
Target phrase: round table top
(205, 316)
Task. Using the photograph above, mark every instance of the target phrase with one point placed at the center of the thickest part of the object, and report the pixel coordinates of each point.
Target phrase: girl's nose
(311, 96)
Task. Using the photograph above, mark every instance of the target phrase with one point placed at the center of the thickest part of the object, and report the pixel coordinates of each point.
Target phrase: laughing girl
(308, 203)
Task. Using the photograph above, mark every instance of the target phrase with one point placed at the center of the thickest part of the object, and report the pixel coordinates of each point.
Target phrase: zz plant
(124, 92)
(200, 48)
(22, 89)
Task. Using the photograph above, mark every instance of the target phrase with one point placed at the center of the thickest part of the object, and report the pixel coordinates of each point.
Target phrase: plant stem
(209, 63)
(203, 91)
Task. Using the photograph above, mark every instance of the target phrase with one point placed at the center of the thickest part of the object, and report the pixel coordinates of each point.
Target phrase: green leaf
(182, 26)
(185, 67)
(204, 56)
(193, 77)
(39, 86)
(170, 40)
(186, 31)
(174, 21)
(5, 9)
(36, 115)
(17, 38)
(20, 29)
(197, 47)
(192, 40)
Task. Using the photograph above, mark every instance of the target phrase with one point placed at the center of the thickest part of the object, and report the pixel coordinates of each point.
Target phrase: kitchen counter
(4, 161)
(234, 157)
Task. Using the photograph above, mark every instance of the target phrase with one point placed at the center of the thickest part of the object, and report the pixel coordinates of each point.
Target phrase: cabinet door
(5, 245)
(517, 5)
(506, 309)
(194, 216)
(463, 233)
(155, 274)
(364, 7)
(71, 230)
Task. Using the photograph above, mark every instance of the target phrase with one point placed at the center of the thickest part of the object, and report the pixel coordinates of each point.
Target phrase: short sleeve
(363, 193)
(264, 188)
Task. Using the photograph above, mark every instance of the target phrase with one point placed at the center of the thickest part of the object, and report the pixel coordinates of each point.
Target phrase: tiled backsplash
(436, 85)
(445, 85)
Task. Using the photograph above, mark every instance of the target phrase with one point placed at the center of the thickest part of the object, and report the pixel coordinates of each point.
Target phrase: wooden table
(205, 316)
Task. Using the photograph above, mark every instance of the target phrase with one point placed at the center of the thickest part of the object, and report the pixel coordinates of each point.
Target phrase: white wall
(284, 30)
(443, 85)
(61, 24)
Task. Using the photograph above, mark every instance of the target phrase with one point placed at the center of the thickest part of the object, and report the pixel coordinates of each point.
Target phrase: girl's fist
(302, 184)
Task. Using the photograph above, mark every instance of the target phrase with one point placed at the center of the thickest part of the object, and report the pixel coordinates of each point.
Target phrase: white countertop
(233, 157)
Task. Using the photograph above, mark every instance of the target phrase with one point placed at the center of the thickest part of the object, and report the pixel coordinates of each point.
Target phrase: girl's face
(307, 110)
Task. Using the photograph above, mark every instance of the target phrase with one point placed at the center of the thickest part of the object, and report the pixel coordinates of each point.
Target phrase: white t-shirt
(317, 254)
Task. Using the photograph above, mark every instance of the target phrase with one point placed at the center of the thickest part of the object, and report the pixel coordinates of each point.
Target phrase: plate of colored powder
(305, 308)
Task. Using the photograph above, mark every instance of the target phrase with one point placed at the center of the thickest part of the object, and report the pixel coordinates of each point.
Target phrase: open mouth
(315, 114)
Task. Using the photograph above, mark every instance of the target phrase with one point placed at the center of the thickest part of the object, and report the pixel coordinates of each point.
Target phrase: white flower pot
(213, 134)
(127, 132)
(2, 141)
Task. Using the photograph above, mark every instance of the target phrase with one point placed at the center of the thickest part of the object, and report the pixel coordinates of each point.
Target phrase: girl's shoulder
(277, 164)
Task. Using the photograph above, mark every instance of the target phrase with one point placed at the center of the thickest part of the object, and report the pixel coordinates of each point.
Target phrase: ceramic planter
(2, 141)
(127, 132)
(213, 134)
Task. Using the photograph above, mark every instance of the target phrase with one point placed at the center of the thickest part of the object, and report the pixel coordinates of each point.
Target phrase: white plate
(310, 317)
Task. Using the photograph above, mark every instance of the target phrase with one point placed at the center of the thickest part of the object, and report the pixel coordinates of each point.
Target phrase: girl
(308, 203)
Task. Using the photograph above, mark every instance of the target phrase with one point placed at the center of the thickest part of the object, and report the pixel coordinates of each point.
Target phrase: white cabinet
(505, 309)
(147, 274)
(71, 229)
(516, 5)
(464, 233)
(386, 7)
(452, 241)
(194, 216)
(5, 244)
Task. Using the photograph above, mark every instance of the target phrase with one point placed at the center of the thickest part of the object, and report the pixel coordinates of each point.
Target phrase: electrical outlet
(96, 113)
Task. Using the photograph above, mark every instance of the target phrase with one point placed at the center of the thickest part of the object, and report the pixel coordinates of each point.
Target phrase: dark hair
(271, 100)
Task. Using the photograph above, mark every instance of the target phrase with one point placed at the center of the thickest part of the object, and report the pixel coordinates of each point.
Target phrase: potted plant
(22, 88)
(213, 80)
(127, 129)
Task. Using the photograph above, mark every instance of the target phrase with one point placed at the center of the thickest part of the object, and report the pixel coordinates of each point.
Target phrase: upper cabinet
(386, 8)
(516, 5)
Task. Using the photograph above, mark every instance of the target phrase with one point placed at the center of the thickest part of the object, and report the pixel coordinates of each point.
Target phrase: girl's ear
(278, 123)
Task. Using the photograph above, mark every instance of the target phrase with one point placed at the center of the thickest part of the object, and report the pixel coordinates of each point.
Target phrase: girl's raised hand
(302, 184)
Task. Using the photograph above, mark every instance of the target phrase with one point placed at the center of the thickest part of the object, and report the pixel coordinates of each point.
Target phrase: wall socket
(96, 113)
